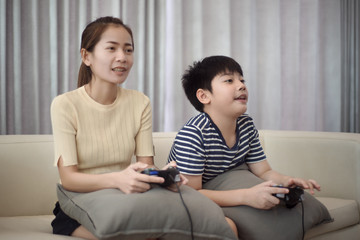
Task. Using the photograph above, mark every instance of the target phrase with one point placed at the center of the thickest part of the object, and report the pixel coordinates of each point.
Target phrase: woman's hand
(305, 184)
(131, 180)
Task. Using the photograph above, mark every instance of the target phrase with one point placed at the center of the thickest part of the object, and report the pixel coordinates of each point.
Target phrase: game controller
(292, 198)
(171, 175)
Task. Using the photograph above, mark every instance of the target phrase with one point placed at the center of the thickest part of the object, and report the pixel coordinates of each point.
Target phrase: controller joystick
(170, 175)
(292, 198)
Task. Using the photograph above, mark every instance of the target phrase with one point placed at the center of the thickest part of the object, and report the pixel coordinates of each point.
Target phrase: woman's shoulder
(67, 97)
(134, 96)
(132, 92)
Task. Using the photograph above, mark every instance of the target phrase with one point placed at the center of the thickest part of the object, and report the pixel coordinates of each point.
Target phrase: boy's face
(229, 95)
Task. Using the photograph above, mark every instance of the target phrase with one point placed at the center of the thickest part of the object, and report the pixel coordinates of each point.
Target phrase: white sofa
(28, 178)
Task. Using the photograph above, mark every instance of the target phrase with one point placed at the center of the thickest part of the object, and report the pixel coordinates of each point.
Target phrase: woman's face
(112, 57)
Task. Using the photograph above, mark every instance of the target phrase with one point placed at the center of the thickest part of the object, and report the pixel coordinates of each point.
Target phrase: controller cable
(302, 218)
(186, 208)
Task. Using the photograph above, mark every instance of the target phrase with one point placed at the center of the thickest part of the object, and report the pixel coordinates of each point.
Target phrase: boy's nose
(242, 86)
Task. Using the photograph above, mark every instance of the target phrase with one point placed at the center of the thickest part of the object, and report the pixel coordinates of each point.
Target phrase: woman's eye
(129, 50)
(111, 48)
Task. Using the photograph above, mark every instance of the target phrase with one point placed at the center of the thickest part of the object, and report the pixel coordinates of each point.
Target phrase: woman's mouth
(119, 69)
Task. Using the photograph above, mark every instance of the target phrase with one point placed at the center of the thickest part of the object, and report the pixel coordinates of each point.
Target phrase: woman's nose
(121, 56)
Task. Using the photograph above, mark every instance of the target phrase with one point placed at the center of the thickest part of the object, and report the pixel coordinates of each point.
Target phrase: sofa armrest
(27, 175)
(331, 158)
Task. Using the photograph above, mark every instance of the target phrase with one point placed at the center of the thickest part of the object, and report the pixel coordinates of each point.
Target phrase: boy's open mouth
(241, 97)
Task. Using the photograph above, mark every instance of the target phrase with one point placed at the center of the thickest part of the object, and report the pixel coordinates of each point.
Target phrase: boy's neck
(227, 127)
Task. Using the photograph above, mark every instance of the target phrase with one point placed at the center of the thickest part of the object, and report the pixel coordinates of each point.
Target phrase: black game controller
(292, 198)
(171, 175)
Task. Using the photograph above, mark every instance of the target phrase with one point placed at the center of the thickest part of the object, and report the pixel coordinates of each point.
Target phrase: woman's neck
(104, 93)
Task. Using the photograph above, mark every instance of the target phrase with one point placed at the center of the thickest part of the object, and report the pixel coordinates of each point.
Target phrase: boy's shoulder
(195, 126)
(244, 117)
(199, 122)
(245, 122)
(203, 121)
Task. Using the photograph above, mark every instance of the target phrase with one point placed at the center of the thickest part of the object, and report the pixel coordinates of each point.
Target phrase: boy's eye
(243, 81)
(229, 80)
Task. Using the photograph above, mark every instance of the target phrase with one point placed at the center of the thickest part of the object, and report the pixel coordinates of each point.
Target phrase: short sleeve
(256, 152)
(64, 130)
(143, 139)
(188, 151)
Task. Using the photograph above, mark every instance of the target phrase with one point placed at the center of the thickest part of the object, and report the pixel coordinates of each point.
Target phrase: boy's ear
(203, 96)
(85, 56)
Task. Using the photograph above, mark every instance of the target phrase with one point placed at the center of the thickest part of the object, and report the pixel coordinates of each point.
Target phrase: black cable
(186, 208)
(302, 218)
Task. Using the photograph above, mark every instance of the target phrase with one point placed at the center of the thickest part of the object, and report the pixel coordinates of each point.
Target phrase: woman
(99, 126)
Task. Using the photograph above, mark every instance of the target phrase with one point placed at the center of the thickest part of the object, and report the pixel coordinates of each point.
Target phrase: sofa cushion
(111, 214)
(279, 222)
(345, 213)
(29, 228)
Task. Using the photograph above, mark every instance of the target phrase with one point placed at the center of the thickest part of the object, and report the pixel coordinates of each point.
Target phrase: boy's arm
(264, 171)
(259, 196)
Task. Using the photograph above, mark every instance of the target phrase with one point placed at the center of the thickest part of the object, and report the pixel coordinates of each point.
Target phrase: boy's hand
(183, 179)
(305, 184)
(261, 196)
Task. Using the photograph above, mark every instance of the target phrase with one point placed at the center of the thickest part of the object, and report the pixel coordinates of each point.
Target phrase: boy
(223, 137)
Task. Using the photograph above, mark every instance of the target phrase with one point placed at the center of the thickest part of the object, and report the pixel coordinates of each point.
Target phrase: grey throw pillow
(277, 223)
(158, 213)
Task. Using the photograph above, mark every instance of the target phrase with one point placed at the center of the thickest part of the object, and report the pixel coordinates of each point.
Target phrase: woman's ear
(203, 96)
(85, 56)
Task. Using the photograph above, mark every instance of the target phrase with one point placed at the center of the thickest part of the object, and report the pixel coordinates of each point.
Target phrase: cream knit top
(101, 138)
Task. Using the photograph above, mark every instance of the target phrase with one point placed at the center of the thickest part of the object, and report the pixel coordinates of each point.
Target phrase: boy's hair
(201, 73)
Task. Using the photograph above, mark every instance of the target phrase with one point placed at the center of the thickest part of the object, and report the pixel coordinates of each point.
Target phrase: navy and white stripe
(200, 149)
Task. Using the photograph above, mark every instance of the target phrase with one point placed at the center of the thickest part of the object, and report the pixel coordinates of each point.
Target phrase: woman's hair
(91, 36)
(201, 74)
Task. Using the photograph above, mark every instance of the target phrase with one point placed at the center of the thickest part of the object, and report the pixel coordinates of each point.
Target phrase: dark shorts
(63, 224)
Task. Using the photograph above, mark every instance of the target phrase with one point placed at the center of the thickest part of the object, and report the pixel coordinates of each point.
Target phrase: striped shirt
(200, 149)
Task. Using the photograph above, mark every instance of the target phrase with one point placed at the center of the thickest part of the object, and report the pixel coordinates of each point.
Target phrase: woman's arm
(129, 180)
